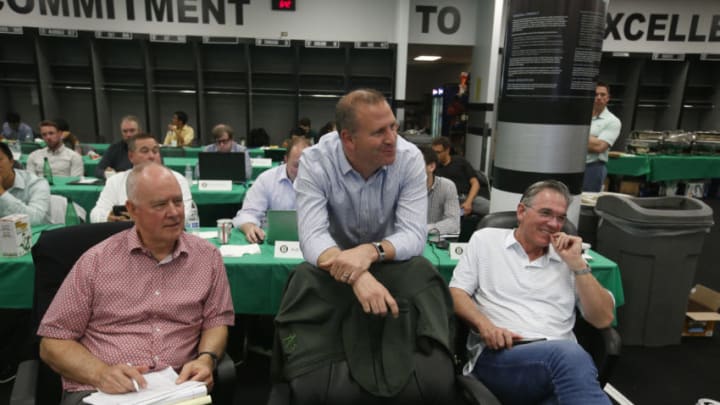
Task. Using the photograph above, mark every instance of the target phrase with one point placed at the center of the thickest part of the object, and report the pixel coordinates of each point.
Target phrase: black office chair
(54, 254)
(603, 345)
(433, 380)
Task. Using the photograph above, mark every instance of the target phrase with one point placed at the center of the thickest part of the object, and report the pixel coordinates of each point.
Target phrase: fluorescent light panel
(427, 58)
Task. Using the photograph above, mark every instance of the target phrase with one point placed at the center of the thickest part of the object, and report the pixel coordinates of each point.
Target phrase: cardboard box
(702, 315)
(15, 235)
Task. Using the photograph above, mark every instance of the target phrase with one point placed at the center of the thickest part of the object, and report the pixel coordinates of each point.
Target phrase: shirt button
(157, 292)
(157, 329)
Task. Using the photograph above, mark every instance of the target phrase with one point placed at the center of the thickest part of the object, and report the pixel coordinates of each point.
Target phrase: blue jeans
(547, 372)
(595, 174)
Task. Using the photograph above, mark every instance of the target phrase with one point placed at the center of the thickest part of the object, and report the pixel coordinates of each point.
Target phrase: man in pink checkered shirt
(142, 300)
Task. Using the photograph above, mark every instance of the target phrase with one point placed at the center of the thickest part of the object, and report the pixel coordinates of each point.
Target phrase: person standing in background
(604, 131)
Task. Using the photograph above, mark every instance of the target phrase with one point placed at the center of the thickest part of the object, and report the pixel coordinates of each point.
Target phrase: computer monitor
(222, 166)
(276, 154)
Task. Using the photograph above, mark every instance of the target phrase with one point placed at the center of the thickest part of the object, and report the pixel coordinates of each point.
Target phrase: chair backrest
(508, 220)
(57, 250)
(54, 254)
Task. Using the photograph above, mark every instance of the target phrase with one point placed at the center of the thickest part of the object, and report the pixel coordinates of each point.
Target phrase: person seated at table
(21, 192)
(63, 160)
(115, 159)
(223, 142)
(518, 284)
(179, 133)
(443, 216)
(142, 148)
(146, 298)
(14, 129)
(68, 138)
(272, 190)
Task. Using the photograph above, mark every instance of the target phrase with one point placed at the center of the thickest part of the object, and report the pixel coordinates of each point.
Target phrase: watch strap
(586, 270)
(212, 355)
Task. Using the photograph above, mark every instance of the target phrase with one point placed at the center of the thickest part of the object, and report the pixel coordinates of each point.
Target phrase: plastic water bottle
(192, 222)
(189, 175)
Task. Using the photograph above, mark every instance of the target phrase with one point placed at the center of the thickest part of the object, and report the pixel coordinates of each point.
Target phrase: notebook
(222, 166)
(281, 225)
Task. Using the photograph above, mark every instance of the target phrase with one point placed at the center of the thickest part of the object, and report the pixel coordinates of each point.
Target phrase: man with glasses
(518, 285)
(115, 159)
(142, 148)
(223, 142)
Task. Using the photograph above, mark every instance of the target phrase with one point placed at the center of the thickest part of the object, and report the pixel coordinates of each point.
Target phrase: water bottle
(47, 171)
(189, 175)
(192, 222)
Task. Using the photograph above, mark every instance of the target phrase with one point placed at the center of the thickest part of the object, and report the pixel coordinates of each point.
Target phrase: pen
(135, 384)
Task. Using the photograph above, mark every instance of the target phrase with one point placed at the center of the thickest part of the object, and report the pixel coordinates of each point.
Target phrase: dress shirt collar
(134, 245)
(283, 174)
(512, 243)
(603, 114)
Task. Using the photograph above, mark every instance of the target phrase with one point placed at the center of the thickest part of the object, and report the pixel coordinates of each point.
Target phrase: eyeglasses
(223, 141)
(547, 214)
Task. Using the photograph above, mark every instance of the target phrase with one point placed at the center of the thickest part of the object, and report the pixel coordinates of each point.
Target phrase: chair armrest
(224, 376)
(279, 394)
(23, 391)
(475, 392)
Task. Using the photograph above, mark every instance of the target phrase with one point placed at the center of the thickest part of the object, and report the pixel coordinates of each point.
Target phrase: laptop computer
(222, 166)
(281, 225)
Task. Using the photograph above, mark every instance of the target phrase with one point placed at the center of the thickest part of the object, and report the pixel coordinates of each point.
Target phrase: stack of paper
(239, 250)
(161, 390)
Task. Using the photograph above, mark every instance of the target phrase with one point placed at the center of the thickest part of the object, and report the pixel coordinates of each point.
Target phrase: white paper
(161, 390)
(87, 180)
(261, 162)
(239, 250)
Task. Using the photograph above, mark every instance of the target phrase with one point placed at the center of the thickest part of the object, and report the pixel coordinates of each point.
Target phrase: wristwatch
(380, 251)
(212, 355)
(586, 270)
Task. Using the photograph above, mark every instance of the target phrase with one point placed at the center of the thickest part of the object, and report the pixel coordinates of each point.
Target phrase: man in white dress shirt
(141, 148)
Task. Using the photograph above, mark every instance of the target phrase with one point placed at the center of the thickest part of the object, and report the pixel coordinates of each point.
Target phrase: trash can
(656, 242)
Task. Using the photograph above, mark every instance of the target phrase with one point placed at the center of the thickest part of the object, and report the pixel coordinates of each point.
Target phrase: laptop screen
(281, 225)
(222, 166)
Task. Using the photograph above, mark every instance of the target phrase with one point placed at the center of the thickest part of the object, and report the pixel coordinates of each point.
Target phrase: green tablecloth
(257, 281)
(666, 167)
(100, 148)
(637, 165)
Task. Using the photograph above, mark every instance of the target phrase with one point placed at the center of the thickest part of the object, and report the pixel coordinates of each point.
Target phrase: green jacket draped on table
(320, 321)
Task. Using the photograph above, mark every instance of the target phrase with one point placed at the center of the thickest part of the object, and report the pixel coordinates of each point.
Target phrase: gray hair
(529, 195)
(133, 178)
(345, 117)
(132, 118)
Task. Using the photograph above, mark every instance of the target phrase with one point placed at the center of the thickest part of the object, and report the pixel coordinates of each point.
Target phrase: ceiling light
(427, 58)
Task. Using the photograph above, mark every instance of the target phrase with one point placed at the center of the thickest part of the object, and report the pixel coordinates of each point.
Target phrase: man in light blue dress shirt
(273, 190)
(362, 198)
